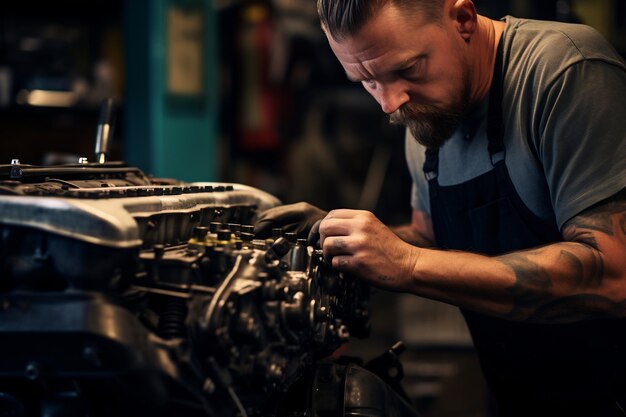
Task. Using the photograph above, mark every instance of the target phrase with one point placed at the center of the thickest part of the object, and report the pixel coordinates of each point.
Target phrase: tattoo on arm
(531, 294)
(532, 283)
(609, 218)
(590, 277)
(582, 264)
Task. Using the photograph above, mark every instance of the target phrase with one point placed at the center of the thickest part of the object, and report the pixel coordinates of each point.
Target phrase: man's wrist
(414, 271)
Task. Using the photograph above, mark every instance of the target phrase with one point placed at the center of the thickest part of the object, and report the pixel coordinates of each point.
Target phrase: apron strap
(431, 164)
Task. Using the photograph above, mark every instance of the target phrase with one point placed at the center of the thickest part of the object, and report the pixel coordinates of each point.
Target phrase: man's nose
(392, 96)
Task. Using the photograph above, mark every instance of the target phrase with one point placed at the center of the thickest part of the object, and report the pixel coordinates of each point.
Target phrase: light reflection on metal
(47, 98)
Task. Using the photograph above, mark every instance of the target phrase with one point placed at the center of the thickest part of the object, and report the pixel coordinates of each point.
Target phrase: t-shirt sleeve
(582, 136)
(415, 154)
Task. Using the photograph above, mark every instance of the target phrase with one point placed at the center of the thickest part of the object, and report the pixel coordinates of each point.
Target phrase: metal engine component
(122, 295)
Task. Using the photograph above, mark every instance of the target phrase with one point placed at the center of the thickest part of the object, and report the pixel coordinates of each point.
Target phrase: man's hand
(357, 242)
(291, 218)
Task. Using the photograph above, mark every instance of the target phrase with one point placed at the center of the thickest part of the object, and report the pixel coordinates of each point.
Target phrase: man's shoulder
(552, 47)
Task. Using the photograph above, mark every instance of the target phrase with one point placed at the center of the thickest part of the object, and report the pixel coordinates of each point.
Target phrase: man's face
(416, 71)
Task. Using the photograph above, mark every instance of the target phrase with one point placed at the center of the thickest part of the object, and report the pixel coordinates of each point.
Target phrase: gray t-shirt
(564, 95)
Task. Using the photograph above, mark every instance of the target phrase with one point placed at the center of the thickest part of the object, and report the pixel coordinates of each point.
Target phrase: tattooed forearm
(584, 276)
(579, 277)
(564, 281)
(533, 295)
(532, 284)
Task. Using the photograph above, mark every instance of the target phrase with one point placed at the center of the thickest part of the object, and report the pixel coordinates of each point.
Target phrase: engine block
(122, 294)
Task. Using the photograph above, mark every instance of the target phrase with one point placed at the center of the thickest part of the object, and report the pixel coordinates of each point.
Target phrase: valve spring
(172, 320)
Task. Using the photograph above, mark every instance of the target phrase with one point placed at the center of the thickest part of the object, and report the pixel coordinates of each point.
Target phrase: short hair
(341, 18)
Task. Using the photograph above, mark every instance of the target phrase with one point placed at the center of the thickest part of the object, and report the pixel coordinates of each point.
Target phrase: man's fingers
(336, 245)
(343, 214)
(336, 248)
(334, 227)
(341, 263)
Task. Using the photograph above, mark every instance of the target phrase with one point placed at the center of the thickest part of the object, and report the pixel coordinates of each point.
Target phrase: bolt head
(208, 386)
(32, 371)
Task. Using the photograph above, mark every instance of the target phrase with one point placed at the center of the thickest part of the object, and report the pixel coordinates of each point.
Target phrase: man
(516, 142)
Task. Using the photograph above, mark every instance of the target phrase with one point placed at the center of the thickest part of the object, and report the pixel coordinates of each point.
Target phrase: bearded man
(516, 143)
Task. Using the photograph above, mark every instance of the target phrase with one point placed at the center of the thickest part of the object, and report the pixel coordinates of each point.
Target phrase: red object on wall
(260, 101)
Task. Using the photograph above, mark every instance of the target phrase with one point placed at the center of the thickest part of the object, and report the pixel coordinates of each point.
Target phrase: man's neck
(485, 42)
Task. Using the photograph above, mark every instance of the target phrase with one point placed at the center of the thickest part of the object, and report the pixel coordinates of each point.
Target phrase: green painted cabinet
(170, 107)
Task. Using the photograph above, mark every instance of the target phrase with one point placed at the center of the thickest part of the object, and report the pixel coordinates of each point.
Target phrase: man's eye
(412, 71)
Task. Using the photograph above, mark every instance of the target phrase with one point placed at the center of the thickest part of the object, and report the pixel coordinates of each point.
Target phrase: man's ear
(465, 18)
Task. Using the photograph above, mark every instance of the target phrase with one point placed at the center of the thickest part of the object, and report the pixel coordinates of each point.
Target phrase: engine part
(122, 294)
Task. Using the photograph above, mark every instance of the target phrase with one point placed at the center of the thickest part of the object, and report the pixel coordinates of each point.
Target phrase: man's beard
(433, 125)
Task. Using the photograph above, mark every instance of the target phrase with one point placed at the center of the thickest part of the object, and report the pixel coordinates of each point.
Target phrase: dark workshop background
(247, 92)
